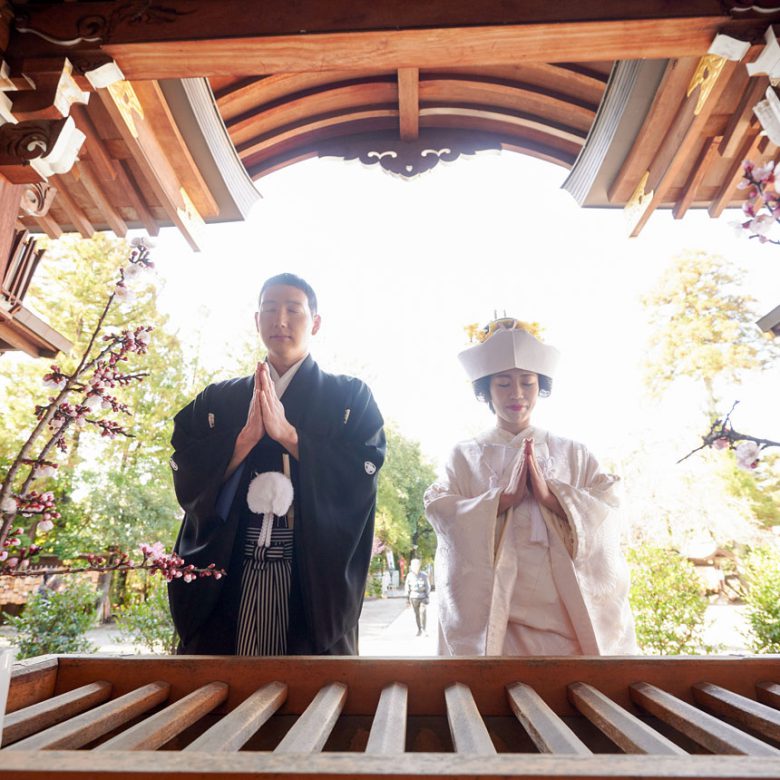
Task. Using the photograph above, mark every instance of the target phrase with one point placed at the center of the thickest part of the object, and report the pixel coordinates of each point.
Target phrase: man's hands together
(265, 416)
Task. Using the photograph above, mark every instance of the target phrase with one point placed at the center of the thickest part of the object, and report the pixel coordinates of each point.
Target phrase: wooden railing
(186, 717)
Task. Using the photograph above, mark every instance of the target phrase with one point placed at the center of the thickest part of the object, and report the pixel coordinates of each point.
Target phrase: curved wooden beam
(246, 94)
(508, 95)
(511, 138)
(510, 118)
(334, 100)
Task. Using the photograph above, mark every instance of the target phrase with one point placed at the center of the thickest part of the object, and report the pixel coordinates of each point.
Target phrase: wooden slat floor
(150, 717)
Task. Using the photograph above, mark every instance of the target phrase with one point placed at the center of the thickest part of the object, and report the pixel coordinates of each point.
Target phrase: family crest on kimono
(277, 474)
(528, 560)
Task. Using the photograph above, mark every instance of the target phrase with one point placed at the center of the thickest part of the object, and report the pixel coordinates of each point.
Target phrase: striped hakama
(265, 591)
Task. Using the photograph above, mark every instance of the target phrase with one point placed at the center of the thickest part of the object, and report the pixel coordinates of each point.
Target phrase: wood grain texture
(155, 731)
(37, 717)
(79, 765)
(548, 732)
(709, 732)
(626, 730)
(739, 709)
(409, 103)
(469, 735)
(311, 731)
(235, 728)
(435, 48)
(89, 726)
(388, 731)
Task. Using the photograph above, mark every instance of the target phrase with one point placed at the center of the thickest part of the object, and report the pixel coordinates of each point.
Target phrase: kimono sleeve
(459, 511)
(588, 500)
(203, 445)
(463, 512)
(339, 462)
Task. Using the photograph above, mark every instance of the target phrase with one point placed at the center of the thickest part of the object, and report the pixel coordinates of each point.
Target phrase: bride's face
(513, 394)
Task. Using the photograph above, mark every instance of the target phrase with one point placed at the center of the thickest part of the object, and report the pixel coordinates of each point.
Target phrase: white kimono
(528, 582)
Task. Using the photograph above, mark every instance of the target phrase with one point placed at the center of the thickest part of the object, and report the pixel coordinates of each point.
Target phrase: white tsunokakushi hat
(508, 346)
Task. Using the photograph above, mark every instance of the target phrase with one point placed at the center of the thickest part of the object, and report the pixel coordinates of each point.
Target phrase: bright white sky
(400, 268)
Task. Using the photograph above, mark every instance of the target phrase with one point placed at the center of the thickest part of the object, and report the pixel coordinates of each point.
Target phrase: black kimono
(341, 448)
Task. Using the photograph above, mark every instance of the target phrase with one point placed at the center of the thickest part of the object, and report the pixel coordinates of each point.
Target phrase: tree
(127, 499)
(400, 518)
(80, 394)
(703, 326)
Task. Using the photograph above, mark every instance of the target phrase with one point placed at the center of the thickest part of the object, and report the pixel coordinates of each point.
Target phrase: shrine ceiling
(649, 105)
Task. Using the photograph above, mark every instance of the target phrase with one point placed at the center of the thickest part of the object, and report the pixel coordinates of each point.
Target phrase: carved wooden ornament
(407, 159)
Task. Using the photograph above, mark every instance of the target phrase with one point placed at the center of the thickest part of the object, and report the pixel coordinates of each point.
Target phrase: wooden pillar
(10, 202)
(10, 194)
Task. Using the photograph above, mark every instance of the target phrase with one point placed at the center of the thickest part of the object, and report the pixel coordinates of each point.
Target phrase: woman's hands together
(527, 475)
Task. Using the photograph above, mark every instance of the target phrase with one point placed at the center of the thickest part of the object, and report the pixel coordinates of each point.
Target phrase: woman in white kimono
(528, 559)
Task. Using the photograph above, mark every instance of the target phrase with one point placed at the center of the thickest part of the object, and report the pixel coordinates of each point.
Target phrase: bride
(528, 559)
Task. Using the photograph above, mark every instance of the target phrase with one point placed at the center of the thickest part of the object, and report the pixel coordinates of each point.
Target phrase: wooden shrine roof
(613, 91)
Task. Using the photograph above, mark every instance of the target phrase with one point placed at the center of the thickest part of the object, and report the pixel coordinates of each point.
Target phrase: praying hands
(265, 416)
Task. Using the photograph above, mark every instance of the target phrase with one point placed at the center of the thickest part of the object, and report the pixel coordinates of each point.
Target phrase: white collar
(281, 383)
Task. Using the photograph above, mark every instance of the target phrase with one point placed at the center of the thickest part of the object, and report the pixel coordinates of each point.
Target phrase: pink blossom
(747, 453)
(55, 384)
(45, 470)
(44, 526)
(720, 444)
(93, 402)
(764, 173)
(11, 562)
(8, 505)
(3, 555)
(762, 224)
(131, 270)
(124, 293)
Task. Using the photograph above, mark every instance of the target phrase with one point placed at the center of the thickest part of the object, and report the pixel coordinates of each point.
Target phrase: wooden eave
(283, 117)
(293, 81)
(681, 145)
(138, 168)
(25, 331)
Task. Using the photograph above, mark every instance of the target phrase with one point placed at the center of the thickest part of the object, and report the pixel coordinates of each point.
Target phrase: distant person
(277, 474)
(418, 591)
(528, 559)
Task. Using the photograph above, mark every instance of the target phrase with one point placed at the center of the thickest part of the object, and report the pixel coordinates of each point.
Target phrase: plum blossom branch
(761, 208)
(79, 400)
(722, 435)
(154, 560)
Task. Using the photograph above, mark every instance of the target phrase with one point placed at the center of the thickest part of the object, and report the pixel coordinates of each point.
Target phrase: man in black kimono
(295, 578)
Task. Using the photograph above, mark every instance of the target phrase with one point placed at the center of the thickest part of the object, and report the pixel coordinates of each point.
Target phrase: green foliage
(668, 602)
(55, 621)
(763, 600)
(110, 492)
(149, 623)
(759, 487)
(400, 518)
(373, 586)
(703, 325)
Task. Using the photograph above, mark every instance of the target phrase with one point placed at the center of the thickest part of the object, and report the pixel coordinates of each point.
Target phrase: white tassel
(269, 494)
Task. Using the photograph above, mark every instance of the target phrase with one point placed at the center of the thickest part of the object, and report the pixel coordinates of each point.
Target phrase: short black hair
(293, 281)
(482, 388)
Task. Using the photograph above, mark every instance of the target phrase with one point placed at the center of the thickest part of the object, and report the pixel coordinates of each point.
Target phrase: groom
(295, 580)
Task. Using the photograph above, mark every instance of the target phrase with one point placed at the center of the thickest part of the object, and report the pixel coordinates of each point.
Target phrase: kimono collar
(281, 383)
(501, 436)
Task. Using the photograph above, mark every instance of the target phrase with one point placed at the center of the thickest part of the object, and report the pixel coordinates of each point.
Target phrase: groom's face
(286, 323)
